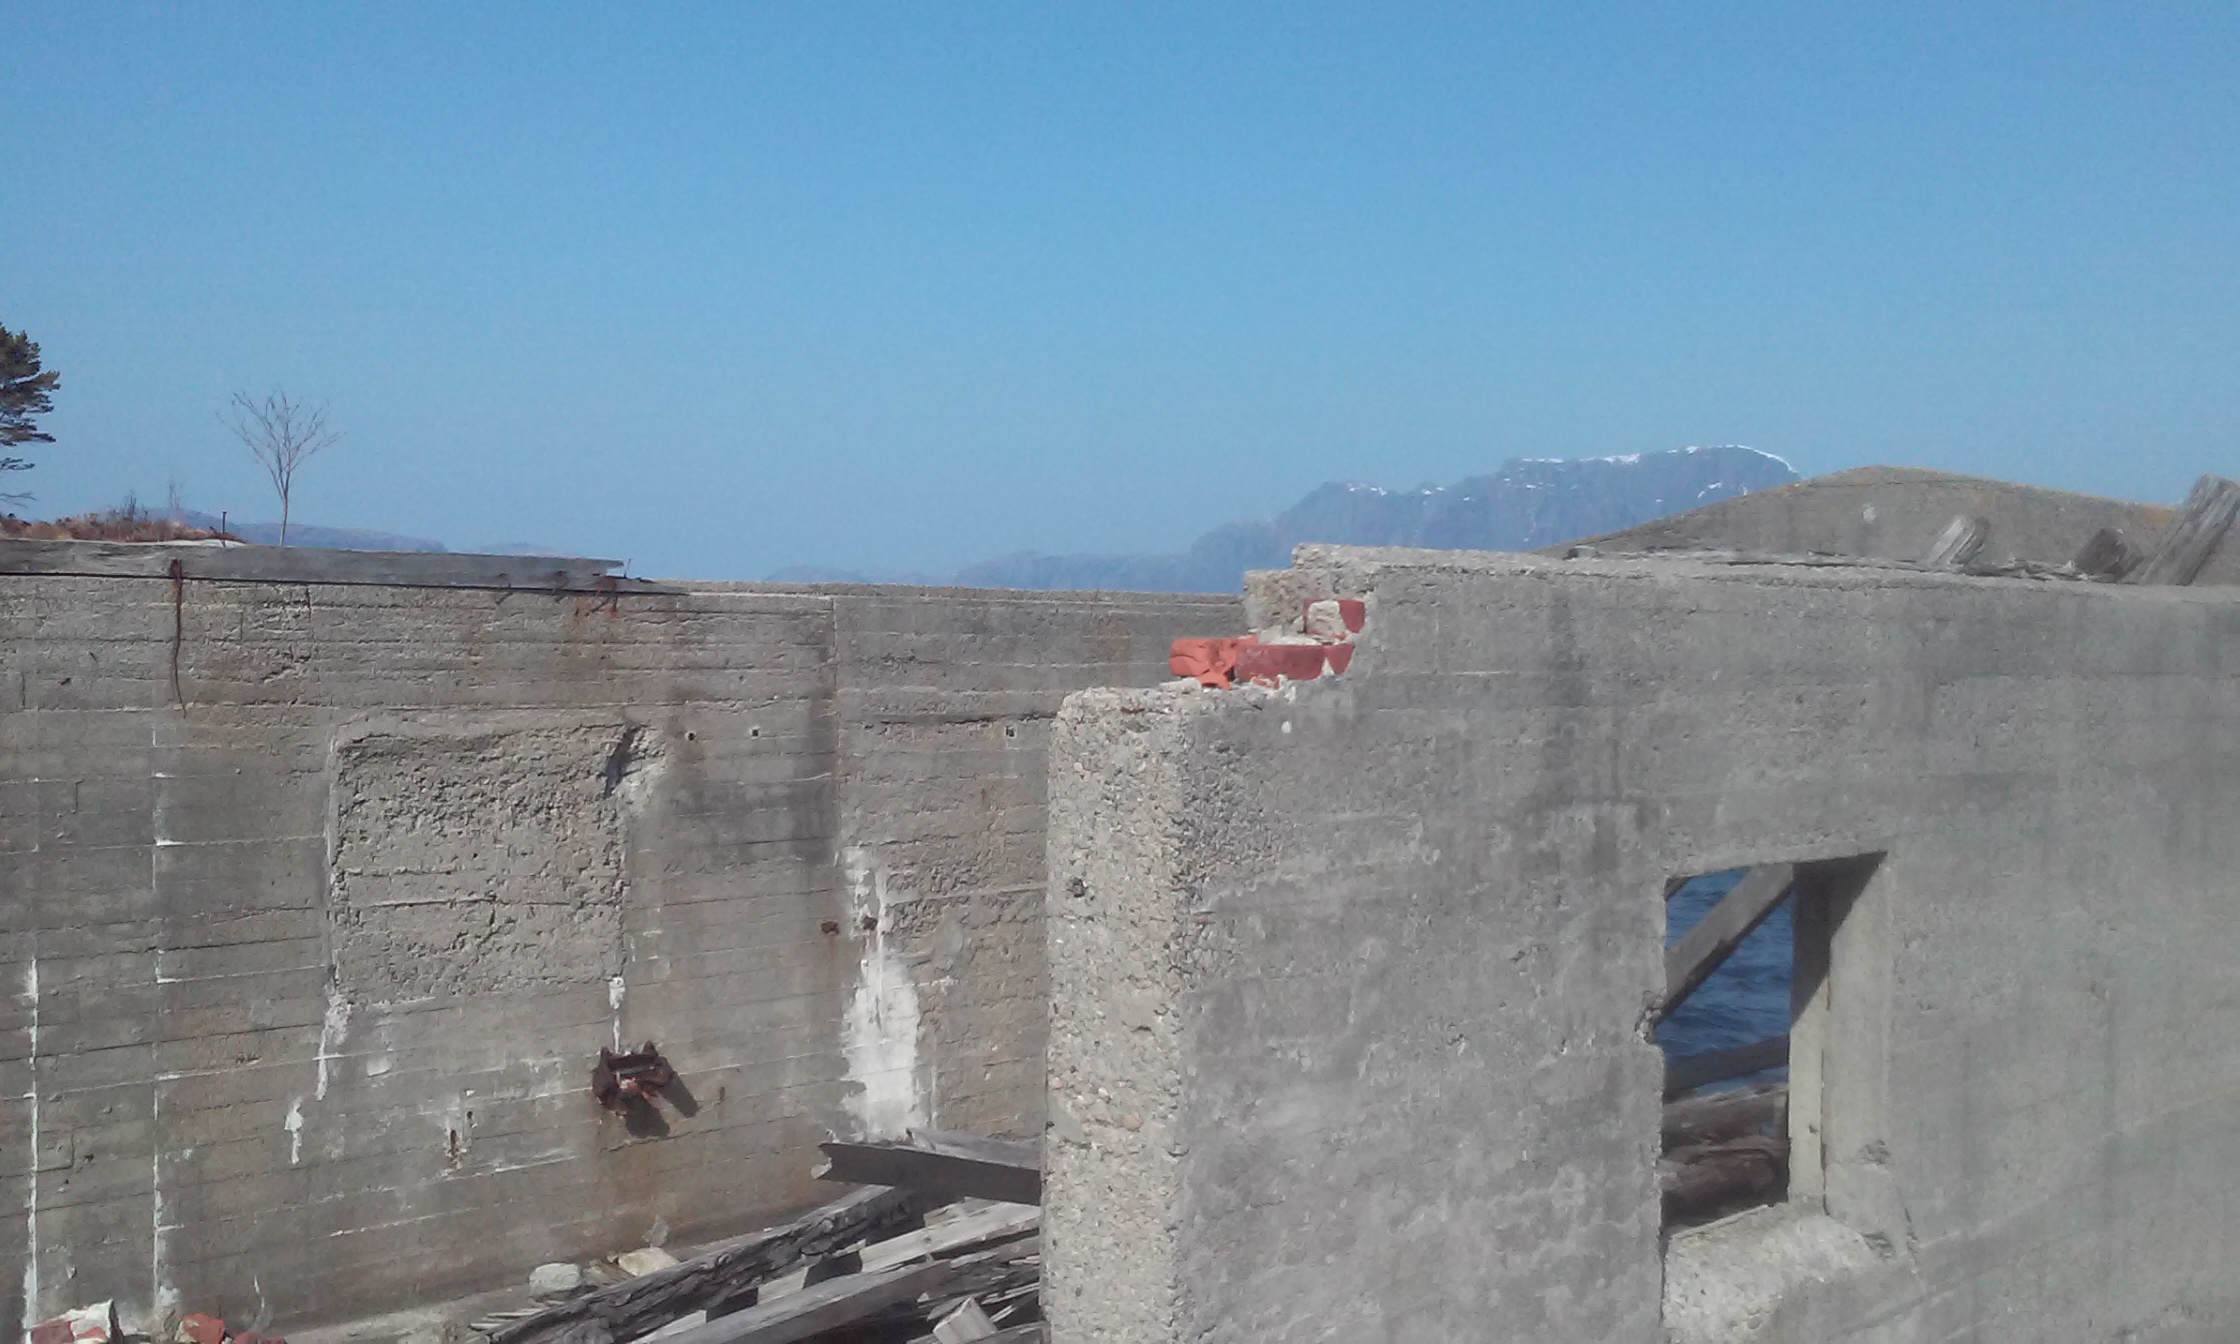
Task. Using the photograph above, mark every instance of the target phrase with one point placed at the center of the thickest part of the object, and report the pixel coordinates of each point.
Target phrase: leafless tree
(282, 434)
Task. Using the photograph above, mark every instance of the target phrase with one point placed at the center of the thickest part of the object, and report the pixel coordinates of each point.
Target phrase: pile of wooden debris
(940, 1246)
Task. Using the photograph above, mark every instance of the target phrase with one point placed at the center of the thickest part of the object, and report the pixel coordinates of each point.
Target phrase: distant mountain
(516, 548)
(831, 574)
(308, 534)
(1527, 504)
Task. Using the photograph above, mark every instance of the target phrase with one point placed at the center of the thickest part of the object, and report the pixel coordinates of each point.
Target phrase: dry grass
(109, 525)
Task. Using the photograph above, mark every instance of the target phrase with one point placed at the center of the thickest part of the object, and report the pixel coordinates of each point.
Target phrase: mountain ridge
(1522, 505)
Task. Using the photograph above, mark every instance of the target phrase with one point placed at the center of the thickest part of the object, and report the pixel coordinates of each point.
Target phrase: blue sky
(722, 289)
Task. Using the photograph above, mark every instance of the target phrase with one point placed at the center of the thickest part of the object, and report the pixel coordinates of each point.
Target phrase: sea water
(1747, 998)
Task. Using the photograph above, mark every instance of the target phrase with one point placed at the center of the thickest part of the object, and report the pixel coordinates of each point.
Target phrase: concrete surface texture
(1351, 979)
(320, 900)
(1896, 513)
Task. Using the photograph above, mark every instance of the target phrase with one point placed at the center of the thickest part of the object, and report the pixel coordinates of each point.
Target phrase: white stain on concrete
(294, 1125)
(31, 1168)
(616, 991)
(161, 1291)
(880, 1034)
(332, 1028)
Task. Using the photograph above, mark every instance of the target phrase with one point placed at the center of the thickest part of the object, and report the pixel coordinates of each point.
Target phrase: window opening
(1743, 1028)
(1729, 962)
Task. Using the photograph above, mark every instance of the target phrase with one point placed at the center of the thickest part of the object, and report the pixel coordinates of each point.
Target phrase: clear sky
(722, 289)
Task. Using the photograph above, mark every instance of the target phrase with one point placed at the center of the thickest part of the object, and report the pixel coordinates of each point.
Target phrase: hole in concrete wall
(1747, 958)
(1729, 959)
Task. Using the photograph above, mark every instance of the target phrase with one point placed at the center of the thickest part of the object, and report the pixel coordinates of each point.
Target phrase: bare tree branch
(282, 433)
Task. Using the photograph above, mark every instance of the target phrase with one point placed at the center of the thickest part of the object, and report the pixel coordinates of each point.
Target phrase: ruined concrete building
(384, 927)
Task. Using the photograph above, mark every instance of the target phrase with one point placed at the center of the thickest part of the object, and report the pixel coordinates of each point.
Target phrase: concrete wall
(317, 915)
(1351, 980)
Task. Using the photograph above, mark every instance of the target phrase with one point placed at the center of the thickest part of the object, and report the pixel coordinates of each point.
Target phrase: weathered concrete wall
(1896, 513)
(1351, 980)
(316, 917)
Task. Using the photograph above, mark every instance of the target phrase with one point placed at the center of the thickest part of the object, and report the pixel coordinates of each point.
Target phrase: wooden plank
(1700, 950)
(2180, 554)
(1958, 543)
(821, 1306)
(966, 1324)
(2105, 555)
(1030, 1333)
(637, 1306)
(990, 1224)
(1715, 1116)
(305, 564)
(1714, 1066)
(941, 1165)
(851, 1297)
(1718, 1179)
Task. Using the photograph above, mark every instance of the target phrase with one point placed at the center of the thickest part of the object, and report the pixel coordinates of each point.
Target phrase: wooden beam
(1715, 1180)
(626, 1310)
(941, 1165)
(2180, 554)
(1716, 1116)
(1690, 1072)
(994, 1223)
(1700, 950)
(1030, 1333)
(1958, 543)
(307, 564)
(821, 1306)
(2105, 555)
(810, 1312)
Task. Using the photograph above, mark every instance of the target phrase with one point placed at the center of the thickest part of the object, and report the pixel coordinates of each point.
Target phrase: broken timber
(1958, 543)
(1690, 1072)
(729, 1273)
(1715, 1180)
(2105, 555)
(1691, 961)
(1718, 1116)
(821, 1306)
(941, 1165)
(994, 1223)
(2202, 521)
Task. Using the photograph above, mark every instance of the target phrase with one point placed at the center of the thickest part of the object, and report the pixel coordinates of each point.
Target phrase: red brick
(1266, 662)
(1355, 612)
(198, 1328)
(1339, 655)
(51, 1332)
(1212, 661)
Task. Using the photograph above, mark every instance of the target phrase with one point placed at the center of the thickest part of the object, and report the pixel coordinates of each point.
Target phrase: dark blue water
(1747, 998)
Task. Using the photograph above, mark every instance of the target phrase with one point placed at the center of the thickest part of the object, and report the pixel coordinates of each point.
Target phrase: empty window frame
(1747, 957)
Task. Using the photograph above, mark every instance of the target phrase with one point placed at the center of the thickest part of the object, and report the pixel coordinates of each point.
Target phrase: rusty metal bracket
(623, 1082)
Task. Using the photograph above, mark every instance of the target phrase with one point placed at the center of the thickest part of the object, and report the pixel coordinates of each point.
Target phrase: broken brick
(1340, 655)
(1212, 661)
(1354, 612)
(197, 1328)
(1266, 662)
(50, 1332)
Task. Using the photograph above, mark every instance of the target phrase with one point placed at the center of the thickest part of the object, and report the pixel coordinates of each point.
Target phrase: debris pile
(1323, 642)
(1723, 1152)
(97, 1324)
(940, 1246)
